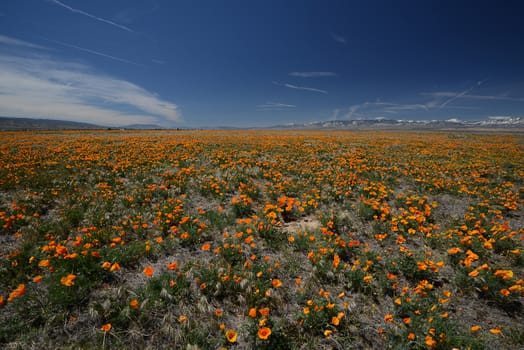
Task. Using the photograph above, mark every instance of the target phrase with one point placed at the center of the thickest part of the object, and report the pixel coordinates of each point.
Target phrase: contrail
(92, 16)
(455, 97)
(300, 87)
(94, 52)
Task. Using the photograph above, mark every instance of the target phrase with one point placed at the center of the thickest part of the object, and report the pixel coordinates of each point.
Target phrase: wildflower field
(261, 240)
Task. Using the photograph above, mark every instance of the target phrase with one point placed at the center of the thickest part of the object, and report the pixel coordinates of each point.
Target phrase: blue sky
(259, 63)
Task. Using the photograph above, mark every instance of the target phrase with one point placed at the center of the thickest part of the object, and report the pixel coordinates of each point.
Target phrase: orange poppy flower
(430, 342)
(106, 328)
(19, 291)
(454, 250)
(495, 331)
(336, 261)
(504, 274)
(264, 311)
(391, 276)
(134, 304)
(475, 328)
(264, 333)
(231, 336)
(148, 271)
(114, 267)
(68, 280)
(43, 263)
(172, 266)
(37, 279)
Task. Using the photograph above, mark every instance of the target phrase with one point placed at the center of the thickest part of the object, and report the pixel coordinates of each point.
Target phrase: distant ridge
(498, 123)
(14, 124)
(142, 127)
(502, 123)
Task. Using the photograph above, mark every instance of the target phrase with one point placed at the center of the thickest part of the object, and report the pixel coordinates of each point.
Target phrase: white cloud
(59, 3)
(43, 87)
(312, 74)
(305, 88)
(507, 118)
(334, 114)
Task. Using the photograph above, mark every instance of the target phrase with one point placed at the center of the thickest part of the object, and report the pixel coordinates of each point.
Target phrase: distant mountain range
(142, 127)
(511, 123)
(13, 124)
(498, 123)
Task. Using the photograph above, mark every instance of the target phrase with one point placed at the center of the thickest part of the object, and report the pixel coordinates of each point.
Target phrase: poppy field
(261, 240)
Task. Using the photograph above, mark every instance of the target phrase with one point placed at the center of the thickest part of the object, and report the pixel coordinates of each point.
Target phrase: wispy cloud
(464, 95)
(129, 15)
(447, 97)
(378, 109)
(5, 40)
(312, 74)
(408, 107)
(98, 53)
(430, 104)
(44, 87)
(338, 38)
(275, 106)
(305, 88)
(100, 19)
(365, 110)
